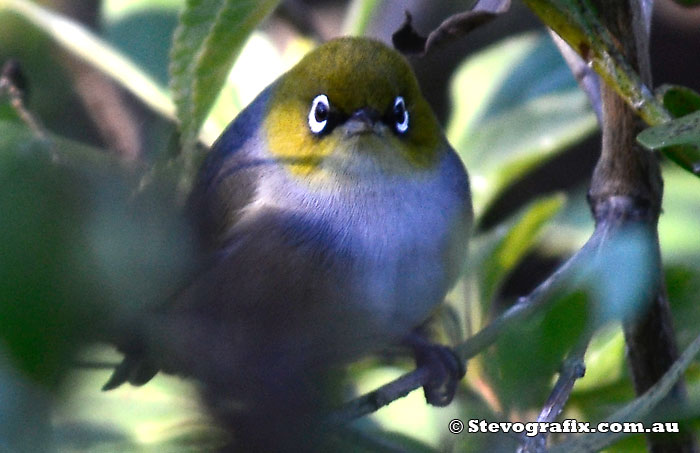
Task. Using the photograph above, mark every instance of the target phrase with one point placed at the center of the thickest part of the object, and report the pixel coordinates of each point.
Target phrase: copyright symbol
(456, 426)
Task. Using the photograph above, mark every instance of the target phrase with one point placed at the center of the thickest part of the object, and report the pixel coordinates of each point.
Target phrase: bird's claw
(446, 369)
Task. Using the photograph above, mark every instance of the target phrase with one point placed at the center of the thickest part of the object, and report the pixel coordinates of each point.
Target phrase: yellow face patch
(354, 74)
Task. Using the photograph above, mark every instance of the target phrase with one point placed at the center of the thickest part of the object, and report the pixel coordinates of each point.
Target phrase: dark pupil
(321, 112)
(399, 112)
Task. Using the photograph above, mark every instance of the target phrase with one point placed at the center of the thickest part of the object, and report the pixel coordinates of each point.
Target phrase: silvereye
(335, 217)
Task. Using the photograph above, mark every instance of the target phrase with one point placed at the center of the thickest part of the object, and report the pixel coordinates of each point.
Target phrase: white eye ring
(400, 115)
(318, 115)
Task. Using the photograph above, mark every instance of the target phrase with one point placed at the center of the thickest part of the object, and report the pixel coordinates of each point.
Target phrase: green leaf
(79, 246)
(680, 222)
(688, 157)
(526, 356)
(605, 360)
(679, 100)
(39, 257)
(497, 254)
(683, 284)
(516, 106)
(209, 37)
(679, 139)
(143, 29)
(607, 286)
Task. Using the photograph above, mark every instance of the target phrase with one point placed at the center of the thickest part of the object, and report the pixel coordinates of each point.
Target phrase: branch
(13, 85)
(636, 410)
(573, 368)
(586, 77)
(626, 190)
(577, 24)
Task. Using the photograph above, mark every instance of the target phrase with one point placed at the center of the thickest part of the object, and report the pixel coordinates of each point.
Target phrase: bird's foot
(446, 369)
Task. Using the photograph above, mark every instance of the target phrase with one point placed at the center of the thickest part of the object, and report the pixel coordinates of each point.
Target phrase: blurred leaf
(40, 309)
(82, 43)
(447, 320)
(115, 9)
(359, 17)
(526, 357)
(605, 360)
(516, 105)
(209, 37)
(680, 221)
(621, 273)
(679, 100)
(678, 224)
(596, 403)
(572, 226)
(7, 111)
(679, 139)
(608, 286)
(497, 254)
(164, 415)
(143, 30)
(683, 284)
(78, 247)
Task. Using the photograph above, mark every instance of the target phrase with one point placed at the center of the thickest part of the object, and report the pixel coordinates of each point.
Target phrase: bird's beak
(363, 121)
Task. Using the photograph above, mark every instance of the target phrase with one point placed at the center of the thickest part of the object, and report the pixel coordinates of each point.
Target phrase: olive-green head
(352, 99)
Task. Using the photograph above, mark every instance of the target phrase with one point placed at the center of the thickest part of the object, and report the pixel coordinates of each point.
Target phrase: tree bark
(626, 190)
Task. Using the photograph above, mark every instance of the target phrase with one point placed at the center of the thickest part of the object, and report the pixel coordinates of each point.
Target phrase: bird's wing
(225, 185)
(229, 176)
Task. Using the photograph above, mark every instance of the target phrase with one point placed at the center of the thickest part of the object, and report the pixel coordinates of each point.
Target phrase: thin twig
(11, 79)
(636, 410)
(586, 77)
(381, 397)
(572, 369)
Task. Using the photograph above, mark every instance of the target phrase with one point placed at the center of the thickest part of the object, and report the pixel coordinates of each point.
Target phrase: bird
(334, 216)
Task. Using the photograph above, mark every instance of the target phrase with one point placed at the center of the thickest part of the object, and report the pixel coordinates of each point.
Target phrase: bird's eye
(318, 115)
(400, 115)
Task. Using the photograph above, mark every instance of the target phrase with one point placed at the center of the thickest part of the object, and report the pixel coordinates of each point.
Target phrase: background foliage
(90, 235)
